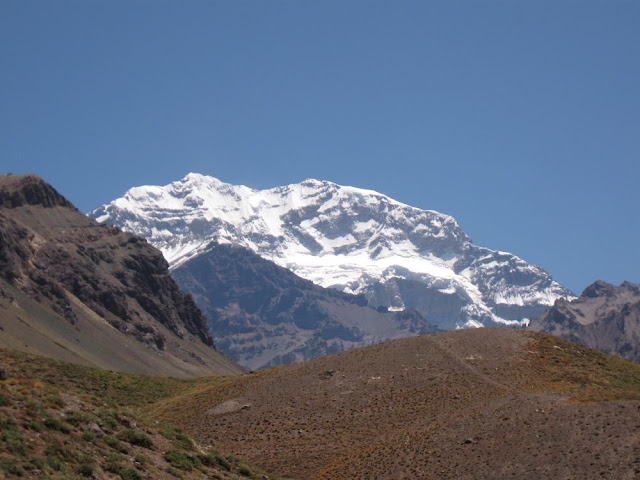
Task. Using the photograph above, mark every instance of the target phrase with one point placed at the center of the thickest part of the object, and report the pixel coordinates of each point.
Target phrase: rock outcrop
(55, 256)
(604, 317)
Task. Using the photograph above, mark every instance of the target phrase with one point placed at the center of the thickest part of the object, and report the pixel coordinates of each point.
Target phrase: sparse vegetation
(72, 422)
(180, 460)
(129, 474)
(585, 374)
(10, 466)
(135, 437)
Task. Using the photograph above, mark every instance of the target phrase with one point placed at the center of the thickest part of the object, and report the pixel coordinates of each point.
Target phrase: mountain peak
(357, 240)
(599, 288)
(19, 190)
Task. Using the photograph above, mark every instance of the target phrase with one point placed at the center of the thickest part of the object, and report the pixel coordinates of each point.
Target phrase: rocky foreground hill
(481, 403)
(76, 290)
(604, 317)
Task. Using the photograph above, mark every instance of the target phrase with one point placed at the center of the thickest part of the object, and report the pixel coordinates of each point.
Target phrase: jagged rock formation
(604, 317)
(358, 241)
(62, 274)
(263, 314)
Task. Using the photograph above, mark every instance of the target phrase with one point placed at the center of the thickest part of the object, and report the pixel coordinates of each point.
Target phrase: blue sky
(519, 118)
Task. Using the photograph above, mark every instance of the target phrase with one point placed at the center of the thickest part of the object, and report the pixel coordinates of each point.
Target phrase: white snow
(330, 234)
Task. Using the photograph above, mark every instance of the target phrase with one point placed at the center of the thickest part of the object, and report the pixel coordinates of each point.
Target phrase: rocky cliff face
(57, 257)
(264, 315)
(358, 241)
(605, 317)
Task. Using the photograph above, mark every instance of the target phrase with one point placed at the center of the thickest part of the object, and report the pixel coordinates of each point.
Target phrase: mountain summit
(358, 241)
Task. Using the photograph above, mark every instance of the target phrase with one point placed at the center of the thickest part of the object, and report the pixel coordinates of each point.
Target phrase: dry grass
(584, 374)
(531, 406)
(458, 405)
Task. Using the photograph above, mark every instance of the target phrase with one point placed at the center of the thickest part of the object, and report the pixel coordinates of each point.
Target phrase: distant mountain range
(357, 241)
(79, 291)
(605, 317)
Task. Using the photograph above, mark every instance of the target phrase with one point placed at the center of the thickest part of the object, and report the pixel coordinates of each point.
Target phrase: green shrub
(114, 443)
(55, 401)
(129, 474)
(10, 435)
(180, 460)
(54, 423)
(13, 441)
(87, 466)
(35, 426)
(58, 451)
(55, 463)
(135, 437)
(7, 422)
(108, 419)
(174, 472)
(4, 400)
(223, 462)
(208, 460)
(245, 471)
(182, 441)
(113, 462)
(88, 436)
(11, 467)
(34, 408)
(34, 463)
(78, 418)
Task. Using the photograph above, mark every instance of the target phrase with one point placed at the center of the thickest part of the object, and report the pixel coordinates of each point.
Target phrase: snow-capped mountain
(356, 240)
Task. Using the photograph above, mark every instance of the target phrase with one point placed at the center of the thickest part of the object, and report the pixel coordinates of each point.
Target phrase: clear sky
(519, 118)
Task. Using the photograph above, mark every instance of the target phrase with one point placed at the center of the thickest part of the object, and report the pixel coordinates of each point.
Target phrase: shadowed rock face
(75, 267)
(605, 317)
(263, 314)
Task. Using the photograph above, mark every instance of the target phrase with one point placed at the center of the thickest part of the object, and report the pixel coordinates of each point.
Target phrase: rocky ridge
(64, 275)
(604, 317)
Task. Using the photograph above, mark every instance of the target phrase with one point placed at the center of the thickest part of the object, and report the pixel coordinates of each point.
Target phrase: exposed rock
(605, 317)
(65, 261)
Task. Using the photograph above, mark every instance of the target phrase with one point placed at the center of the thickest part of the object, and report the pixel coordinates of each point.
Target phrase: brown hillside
(73, 289)
(482, 403)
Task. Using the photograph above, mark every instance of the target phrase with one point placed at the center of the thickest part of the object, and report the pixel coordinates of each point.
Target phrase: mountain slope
(478, 403)
(603, 317)
(356, 240)
(76, 290)
(263, 314)
(67, 421)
